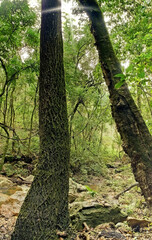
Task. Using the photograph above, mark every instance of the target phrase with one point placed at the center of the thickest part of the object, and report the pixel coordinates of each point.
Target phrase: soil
(108, 187)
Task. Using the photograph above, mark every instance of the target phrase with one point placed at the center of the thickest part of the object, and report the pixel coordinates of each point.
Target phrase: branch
(5, 129)
(80, 51)
(127, 189)
(2, 125)
(4, 68)
(11, 78)
(6, 74)
(80, 101)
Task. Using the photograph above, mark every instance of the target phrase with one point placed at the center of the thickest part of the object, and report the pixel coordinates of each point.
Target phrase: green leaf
(121, 75)
(92, 192)
(122, 80)
(141, 74)
(129, 68)
(119, 84)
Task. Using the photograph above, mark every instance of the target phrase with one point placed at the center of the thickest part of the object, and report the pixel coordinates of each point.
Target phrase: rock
(76, 191)
(94, 213)
(5, 183)
(105, 226)
(112, 235)
(141, 223)
(75, 187)
(15, 169)
(9, 169)
(73, 197)
(119, 225)
(30, 178)
(11, 197)
(22, 169)
(11, 190)
(19, 195)
(123, 227)
(3, 198)
(10, 208)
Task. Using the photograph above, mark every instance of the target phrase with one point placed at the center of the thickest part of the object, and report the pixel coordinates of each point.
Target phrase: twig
(2, 125)
(14, 75)
(126, 190)
(86, 226)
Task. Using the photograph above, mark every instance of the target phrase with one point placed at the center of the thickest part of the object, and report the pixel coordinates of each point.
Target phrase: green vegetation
(94, 138)
(96, 145)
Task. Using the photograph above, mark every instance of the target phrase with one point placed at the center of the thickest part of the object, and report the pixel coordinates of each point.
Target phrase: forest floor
(116, 179)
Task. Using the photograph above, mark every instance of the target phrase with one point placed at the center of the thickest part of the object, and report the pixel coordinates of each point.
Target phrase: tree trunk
(6, 145)
(31, 122)
(45, 209)
(137, 141)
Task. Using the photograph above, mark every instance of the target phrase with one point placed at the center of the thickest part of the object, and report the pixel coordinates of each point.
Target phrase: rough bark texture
(137, 141)
(45, 209)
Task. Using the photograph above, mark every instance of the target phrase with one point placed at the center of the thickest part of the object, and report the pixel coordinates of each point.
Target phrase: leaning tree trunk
(45, 209)
(137, 141)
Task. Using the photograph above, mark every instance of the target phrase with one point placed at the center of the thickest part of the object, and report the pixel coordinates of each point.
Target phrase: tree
(131, 37)
(137, 141)
(45, 209)
(88, 101)
(16, 21)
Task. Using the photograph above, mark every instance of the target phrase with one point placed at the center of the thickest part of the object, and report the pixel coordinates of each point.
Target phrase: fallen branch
(126, 190)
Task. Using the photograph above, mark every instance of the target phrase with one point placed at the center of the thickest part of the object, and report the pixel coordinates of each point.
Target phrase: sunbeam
(68, 8)
(51, 10)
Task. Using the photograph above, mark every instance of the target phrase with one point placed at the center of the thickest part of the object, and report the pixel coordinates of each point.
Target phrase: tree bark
(32, 118)
(45, 209)
(137, 141)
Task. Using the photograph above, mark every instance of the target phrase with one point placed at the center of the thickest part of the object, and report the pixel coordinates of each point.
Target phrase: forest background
(95, 141)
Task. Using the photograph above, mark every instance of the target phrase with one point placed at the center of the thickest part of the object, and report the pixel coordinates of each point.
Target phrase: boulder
(75, 187)
(76, 191)
(94, 213)
(111, 235)
(5, 183)
(141, 223)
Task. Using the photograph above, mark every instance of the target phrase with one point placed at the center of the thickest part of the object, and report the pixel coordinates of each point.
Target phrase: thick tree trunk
(137, 141)
(45, 209)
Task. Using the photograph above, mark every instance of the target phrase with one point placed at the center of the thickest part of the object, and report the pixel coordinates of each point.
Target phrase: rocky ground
(112, 216)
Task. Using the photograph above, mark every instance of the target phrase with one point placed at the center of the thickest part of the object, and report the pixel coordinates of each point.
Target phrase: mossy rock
(94, 214)
(11, 169)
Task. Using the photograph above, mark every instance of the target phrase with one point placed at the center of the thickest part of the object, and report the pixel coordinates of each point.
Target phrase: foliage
(19, 39)
(91, 192)
(131, 33)
(93, 135)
